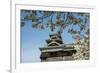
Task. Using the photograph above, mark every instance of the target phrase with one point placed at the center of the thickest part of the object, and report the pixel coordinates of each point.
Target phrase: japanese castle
(56, 50)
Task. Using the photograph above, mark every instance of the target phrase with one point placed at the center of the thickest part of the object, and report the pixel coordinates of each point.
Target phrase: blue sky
(32, 39)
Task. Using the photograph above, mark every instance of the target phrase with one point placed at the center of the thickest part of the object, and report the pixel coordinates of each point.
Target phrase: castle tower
(56, 50)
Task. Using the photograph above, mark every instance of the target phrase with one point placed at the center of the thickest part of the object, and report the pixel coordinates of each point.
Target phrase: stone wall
(64, 58)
